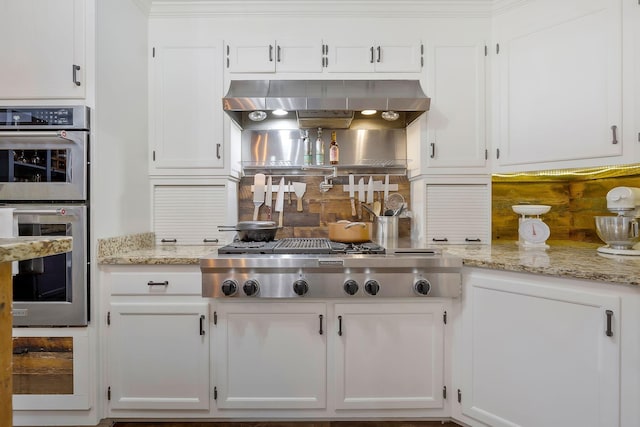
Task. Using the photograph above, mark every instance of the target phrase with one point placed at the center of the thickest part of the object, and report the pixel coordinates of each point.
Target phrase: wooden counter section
(17, 249)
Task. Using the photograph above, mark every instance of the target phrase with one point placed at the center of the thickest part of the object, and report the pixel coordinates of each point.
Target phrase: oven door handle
(62, 134)
(59, 211)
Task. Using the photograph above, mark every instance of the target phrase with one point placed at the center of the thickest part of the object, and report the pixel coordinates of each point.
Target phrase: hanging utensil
(361, 196)
(352, 195)
(299, 188)
(258, 194)
(268, 197)
(279, 206)
(386, 191)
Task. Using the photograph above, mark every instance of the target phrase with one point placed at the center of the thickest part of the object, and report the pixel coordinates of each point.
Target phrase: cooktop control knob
(300, 287)
(422, 287)
(351, 287)
(229, 287)
(251, 287)
(372, 287)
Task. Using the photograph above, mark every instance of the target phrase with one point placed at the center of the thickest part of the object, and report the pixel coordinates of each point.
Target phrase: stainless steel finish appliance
(325, 103)
(52, 291)
(44, 153)
(318, 268)
(44, 169)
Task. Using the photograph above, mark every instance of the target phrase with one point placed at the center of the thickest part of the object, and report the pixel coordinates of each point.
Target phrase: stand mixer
(621, 233)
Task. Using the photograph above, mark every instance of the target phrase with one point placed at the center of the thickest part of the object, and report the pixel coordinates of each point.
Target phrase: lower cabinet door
(539, 355)
(270, 355)
(158, 356)
(389, 356)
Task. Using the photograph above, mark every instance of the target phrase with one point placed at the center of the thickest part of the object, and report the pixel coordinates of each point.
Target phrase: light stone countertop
(563, 259)
(23, 248)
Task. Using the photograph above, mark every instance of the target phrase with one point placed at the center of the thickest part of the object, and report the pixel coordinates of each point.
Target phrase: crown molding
(331, 8)
(144, 6)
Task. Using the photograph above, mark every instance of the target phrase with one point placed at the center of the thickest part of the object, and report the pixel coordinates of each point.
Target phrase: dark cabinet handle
(270, 53)
(609, 314)
(205, 240)
(432, 148)
(371, 54)
(218, 151)
(278, 54)
(340, 325)
(169, 240)
(440, 240)
(320, 316)
(466, 239)
(75, 69)
(614, 128)
(379, 54)
(202, 332)
(152, 283)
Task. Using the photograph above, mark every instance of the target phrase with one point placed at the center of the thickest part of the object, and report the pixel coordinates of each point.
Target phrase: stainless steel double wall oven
(44, 170)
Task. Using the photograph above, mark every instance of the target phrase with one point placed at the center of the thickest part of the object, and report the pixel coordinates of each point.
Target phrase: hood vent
(325, 103)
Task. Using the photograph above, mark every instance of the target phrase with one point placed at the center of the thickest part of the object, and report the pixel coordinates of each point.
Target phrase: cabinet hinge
(444, 317)
(497, 48)
(108, 318)
(153, 52)
(215, 393)
(444, 392)
(459, 396)
(215, 317)
(486, 50)
(109, 393)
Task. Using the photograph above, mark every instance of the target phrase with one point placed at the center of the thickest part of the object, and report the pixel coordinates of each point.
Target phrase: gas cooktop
(301, 246)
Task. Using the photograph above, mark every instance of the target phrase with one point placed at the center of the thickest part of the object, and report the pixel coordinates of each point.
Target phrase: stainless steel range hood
(325, 103)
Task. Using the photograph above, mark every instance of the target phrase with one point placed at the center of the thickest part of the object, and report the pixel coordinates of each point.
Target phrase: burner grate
(303, 246)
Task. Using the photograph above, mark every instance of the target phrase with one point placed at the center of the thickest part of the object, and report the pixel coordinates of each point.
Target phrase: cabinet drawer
(152, 283)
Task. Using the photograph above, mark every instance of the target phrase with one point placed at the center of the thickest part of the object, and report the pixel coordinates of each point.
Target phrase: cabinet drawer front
(161, 283)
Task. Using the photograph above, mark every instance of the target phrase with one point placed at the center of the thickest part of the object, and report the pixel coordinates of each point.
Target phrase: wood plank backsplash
(574, 203)
(319, 208)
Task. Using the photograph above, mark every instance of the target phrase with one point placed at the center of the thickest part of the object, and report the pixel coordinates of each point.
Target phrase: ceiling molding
(369, 8)
(144, 6)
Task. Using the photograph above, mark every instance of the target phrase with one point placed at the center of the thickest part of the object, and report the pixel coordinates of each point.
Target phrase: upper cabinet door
(369, 55)
(42, 49)
(186, 109)
(559, 83)
(455, 131)
(251, 56)
(269, 56)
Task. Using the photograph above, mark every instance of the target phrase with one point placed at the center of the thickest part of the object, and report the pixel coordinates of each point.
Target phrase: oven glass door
(43, 165)
(52, 290)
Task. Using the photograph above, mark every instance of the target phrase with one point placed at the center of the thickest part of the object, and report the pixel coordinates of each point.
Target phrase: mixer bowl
(619, 232)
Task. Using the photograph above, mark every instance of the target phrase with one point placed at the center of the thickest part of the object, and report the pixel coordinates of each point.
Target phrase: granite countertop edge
(24, 248)
(573, 260)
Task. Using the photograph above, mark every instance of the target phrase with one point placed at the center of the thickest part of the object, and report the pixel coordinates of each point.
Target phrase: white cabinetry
(539, 353)
(189, 211)
(270, 355)
(389, 356)
(297, 55)
(186, 118)
(454, 209)
(452, 134)
(362, 55)
(157, 339)
(559, 89)
(43, 49)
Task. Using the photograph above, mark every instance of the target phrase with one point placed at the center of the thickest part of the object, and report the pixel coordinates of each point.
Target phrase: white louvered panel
(189, 213)
(458, 212)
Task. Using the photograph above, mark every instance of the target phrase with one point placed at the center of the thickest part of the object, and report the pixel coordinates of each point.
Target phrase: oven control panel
(43, 118)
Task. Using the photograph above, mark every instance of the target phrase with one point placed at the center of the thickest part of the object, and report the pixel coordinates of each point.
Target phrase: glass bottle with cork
(334, 149)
